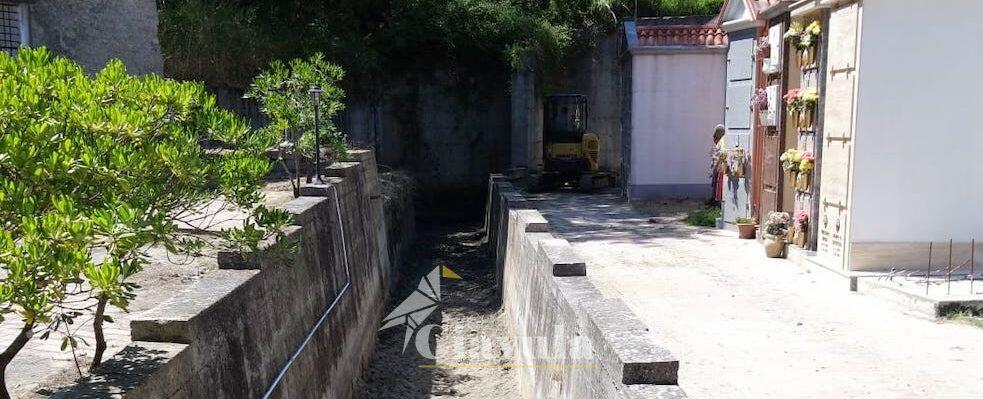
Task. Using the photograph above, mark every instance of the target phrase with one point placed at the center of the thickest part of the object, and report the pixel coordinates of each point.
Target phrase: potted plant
(776, 230)
(801, 234)
(745, 227)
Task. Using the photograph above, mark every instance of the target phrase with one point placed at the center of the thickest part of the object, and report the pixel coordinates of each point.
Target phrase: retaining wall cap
(342, 169)
(624, 344)
(304, 208)
(320, 190)
(235, 260)
(127, 370)
(560, 255)
(533, 221)
(646, 391)
(169, 321)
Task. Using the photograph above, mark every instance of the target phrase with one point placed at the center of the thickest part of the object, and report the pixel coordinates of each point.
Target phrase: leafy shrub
(108, 164)
(283, 91)
(227, 42)
(706, 217)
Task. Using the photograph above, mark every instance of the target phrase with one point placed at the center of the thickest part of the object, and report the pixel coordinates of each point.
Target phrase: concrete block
(625, 346)
(532, 221)
(561, 257)
(171, 320)
(320, 190)
(304, 208)
(140, 370)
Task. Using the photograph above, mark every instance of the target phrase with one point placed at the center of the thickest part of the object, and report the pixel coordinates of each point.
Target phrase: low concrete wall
(550, 303)
(301, 327)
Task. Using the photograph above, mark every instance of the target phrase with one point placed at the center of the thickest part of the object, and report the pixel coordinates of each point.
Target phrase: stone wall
(92, 32)
(302, 327)
(597, 73)
(550, 303)
(448, 133)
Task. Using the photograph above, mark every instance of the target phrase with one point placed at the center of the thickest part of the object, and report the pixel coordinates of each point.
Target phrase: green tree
(94, 170)
(225, 42)
(283, 92)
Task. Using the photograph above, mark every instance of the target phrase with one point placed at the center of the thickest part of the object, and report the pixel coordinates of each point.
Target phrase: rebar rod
(948, 273)
(972, 266)
(928, 273)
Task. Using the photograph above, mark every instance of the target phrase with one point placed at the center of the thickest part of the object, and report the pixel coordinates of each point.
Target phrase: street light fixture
(315, 93)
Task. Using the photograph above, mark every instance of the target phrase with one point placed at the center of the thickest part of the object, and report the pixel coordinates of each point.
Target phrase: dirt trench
(472, 356)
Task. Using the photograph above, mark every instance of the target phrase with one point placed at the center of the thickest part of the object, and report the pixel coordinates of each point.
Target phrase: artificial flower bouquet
(801, 231)
(801, 104)
(737, 160)
(790, 160)
(805, 39)
(807, 162)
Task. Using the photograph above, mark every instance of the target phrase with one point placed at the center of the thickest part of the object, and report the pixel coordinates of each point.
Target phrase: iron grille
(9, 27)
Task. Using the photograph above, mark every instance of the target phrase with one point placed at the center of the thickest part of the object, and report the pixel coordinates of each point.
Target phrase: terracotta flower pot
(774, 246)
(746, 231)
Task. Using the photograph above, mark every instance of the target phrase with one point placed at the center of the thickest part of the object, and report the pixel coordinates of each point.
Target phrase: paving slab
(744, 326)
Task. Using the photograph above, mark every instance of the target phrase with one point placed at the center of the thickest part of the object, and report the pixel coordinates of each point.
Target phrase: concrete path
(744, 326)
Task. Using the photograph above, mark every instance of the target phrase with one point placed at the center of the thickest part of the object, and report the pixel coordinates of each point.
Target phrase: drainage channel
(471, 353)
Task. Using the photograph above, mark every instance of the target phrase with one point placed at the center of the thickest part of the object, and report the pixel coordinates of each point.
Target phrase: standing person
(716, 172)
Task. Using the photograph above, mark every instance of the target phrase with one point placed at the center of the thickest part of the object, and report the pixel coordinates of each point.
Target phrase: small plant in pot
(776, 231)
(745, 227)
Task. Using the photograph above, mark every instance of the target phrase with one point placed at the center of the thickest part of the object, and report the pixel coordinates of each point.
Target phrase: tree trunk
(8, 355)
(100, 335)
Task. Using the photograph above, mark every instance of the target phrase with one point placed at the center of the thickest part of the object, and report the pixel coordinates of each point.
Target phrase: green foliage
(221, 42)
(283, 94)
(706, 217)
(94, 169)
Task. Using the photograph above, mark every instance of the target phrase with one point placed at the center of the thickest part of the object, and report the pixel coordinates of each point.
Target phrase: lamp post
(315, 93)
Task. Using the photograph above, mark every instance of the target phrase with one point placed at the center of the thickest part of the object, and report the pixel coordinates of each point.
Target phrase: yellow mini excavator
(571, 155)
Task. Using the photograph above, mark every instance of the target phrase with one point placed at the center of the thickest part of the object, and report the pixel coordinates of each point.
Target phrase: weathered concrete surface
(241, 325)
(744, 326)
(571, 342)
(140, 370)
(448, 132)
(92, 32)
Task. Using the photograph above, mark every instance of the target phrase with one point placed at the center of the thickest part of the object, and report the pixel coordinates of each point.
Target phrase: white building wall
(677, 100)
(918, 165)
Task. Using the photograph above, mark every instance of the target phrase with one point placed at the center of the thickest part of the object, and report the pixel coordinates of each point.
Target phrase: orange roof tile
(681, 35)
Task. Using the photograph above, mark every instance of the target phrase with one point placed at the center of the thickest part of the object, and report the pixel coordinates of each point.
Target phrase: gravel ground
(468, 311)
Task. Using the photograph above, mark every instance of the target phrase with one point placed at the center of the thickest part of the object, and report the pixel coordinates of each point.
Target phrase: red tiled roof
(681, 35)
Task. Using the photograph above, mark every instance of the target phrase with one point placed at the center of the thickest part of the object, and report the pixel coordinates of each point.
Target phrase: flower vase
(805, 119)
(802, 182)
(774, 246)
(801, 238)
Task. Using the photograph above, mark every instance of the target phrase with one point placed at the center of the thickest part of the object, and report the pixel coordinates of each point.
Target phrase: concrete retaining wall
(305, 324)
(92, 32)
(550, 304)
